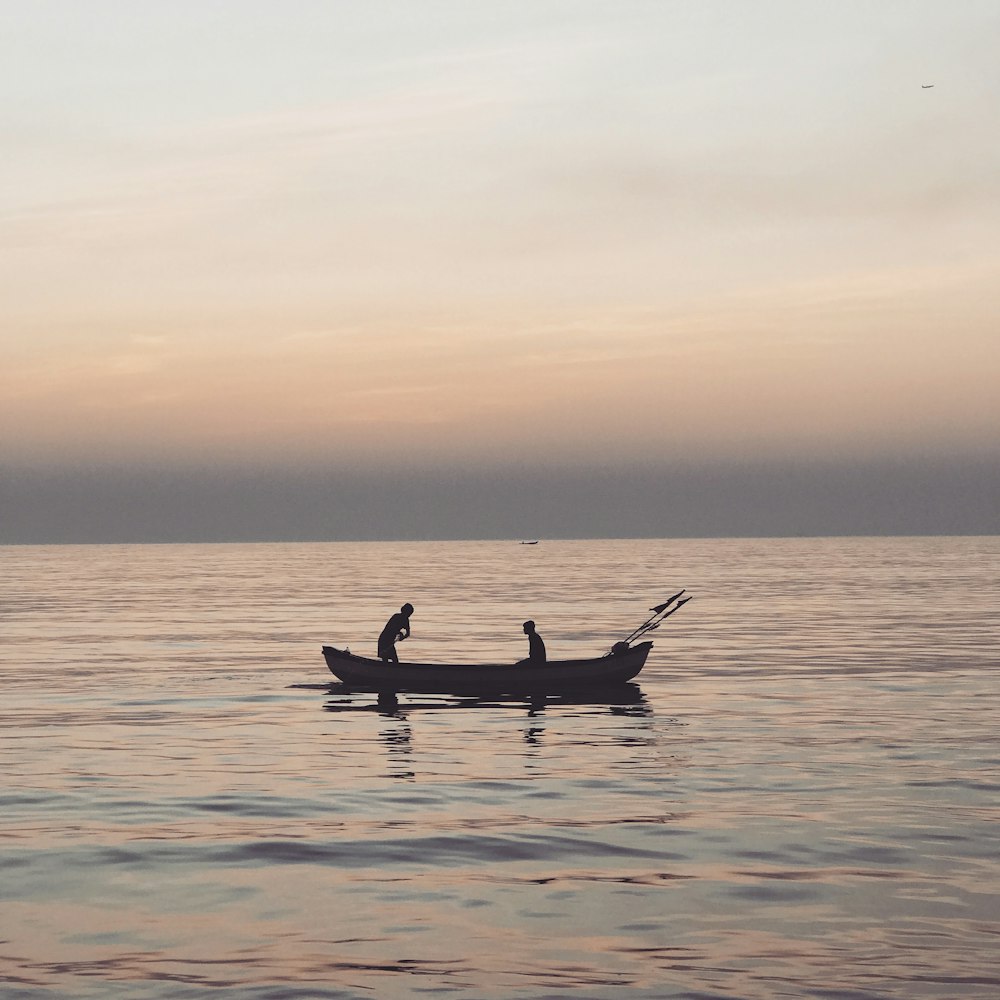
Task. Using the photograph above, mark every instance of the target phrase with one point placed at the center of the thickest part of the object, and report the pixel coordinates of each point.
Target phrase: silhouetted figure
(397, 628)
(536, 648)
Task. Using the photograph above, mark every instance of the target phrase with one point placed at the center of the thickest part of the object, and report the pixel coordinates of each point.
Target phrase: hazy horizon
(944, 497)
(457, 266)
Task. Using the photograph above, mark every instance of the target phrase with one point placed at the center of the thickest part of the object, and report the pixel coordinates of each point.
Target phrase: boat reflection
(550, 723)
(623, 699)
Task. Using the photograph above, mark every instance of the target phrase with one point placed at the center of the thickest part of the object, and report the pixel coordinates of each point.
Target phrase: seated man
(536, 648)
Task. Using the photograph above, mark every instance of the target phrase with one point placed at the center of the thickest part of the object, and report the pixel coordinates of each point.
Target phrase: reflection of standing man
(397, 628)
(536, 648)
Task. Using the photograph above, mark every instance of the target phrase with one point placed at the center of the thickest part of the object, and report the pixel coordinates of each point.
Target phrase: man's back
(536, 648)
(394, 626)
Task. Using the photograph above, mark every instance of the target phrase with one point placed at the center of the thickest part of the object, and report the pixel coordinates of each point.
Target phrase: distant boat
(533, 542)
(551, 677)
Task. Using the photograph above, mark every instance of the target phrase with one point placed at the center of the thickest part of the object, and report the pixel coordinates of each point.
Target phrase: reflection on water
(398, 740)
(533, 734)
(622, 699)
(797, 797)
(397, 733)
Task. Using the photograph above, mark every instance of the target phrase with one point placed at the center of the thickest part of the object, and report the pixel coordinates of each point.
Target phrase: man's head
(528, 627)
(407, 609)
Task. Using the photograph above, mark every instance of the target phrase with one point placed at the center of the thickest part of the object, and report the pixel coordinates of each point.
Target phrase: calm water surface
(799, 797)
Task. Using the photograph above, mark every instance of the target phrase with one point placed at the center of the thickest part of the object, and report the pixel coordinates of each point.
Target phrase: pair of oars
(660, 614)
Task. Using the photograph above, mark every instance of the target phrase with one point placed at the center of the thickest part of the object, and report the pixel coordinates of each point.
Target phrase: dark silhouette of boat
(528, 677)
(551, 677)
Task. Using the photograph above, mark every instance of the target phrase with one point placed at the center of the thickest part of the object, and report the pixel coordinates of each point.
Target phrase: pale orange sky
(388, 233)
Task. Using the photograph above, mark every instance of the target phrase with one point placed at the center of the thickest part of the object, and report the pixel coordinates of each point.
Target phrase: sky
(440, 269)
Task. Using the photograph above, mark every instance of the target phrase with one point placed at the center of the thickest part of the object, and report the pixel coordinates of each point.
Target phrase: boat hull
(553, 677)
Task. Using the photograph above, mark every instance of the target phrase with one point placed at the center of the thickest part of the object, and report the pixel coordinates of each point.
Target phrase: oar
(657, 611)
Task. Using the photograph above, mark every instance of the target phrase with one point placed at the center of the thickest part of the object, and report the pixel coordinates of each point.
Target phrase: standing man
(536, 648)
(397, 628)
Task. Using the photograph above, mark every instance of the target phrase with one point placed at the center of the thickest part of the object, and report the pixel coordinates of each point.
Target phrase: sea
(799, 796)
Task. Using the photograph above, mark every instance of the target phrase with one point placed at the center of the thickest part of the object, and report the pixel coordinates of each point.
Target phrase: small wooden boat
(552, 677)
